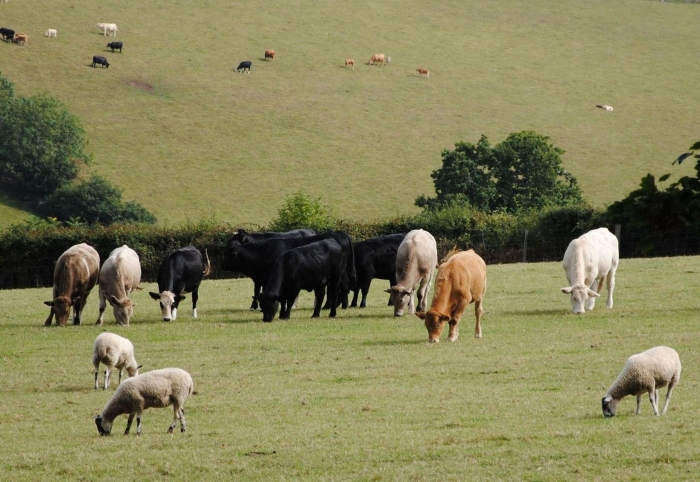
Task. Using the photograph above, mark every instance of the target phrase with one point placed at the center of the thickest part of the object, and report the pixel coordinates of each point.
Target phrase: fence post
(618, 229)
(525, 248)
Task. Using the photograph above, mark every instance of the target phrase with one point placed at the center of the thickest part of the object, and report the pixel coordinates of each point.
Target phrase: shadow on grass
(394, 342)
(551, 311)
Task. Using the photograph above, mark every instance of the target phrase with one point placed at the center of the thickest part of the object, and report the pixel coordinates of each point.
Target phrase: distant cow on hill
(115, 45)
(51, 33)
(7, 33)
(108, 27)
(243, 66)
(97, 59)
(424, 73)
(270, 54)
(350, 62)
(377, 59)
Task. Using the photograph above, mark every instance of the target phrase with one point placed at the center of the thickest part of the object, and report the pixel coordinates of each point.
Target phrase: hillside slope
(172, 124)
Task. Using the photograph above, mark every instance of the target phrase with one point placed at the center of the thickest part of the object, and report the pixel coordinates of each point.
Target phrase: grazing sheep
(155, 389)
(350, 62)
(113, 351)
(645, 372)
(51, 33)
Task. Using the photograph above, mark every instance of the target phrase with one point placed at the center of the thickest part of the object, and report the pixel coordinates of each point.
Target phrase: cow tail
(207, 269)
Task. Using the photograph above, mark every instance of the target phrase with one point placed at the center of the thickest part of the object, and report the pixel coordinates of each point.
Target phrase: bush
(300, 210)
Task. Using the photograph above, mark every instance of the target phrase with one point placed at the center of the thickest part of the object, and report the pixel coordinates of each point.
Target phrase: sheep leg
(108, 375)
(97, 371)
(138, 423)
(653, 397)
(668, 397)
(128, 424)
(178, 413)
(120, 375)
(639, 404)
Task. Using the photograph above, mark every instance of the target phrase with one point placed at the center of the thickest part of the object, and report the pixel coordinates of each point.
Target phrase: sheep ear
(593, 294)
(139, 367)
(155, 296)
(567, 291)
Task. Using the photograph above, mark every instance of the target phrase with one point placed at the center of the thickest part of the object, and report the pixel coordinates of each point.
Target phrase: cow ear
(74, 300)
(113, 300)
(48, 303)
(567, 291)
(180, 297)
(445, 318)
(593, 294)
(155, 296)
(279, 298)
(388, 291)
(420, 314)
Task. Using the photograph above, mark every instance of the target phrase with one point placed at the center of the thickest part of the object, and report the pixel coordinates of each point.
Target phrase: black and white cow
(312, 267)
(375, 258)
(256, 260)
(243, 66)
(7, 33)
(115, 45)
(180, 272)
(97, 59)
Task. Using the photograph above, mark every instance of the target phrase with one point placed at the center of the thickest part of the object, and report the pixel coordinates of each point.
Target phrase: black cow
(244, 65)
(312, 267)
(244, 237)
(7, 33)
(180, 272)
(256, 260)
(375, 258)
(99, 60)
(115, 45)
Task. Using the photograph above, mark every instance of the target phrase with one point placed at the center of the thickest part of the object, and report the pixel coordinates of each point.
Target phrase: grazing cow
(97, 59)
(605, 107)
(119, 276)
(375, 258)
(21, 39)
(588, 261)
(51, 33)
(461, 280)
(415, 261)
(257, 259)
(180, 272)
(270, 54)
(424, 73)
(350, 62)
(377, 59)
(243, 66)
(108, 27)
(74, 277)
(7, 33)
(312, 267)
(115, 45)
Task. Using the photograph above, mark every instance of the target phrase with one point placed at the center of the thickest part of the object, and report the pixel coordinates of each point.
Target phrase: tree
(41, 146)
(94, 200)
(300, 210)
(523, 172)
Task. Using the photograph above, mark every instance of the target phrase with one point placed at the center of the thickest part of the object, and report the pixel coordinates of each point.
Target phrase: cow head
(61, 308)
(103, 426)
(434, 322)
(609, 406)
(400, 298)
(579, 296)
(269, 304)
(123, 309)
(168, 303)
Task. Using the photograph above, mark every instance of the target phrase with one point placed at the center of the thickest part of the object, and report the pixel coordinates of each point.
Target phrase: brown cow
(377, 59)
(270, 54)
(424, 72)
(74, 277)
(350, 62)
(21, 39)
(461, 280)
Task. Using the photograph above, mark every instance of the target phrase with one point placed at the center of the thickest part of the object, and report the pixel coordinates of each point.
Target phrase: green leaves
(300, 210)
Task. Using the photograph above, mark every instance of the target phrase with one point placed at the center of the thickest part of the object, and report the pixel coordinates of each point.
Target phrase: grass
(179, 131)
(364, 397)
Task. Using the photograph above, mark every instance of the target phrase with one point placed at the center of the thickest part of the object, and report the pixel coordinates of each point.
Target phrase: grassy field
(364, 397)
(174, 126)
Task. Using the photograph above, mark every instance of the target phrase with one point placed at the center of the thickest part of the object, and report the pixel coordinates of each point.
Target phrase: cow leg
(596, 286)
(611, 288)
(195, 297)
(333, 298)
(78, 309)
(353, 303)
(478, 311)
(103, 305)
(319, 292)
(50, 318)
(365, 291)
(256, 292)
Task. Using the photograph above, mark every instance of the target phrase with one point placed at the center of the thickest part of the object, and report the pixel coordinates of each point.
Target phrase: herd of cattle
(329, 264)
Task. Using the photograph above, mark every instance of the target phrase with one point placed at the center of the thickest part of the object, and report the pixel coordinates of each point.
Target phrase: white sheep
(113, 351)
(645, 372)
(158, 388)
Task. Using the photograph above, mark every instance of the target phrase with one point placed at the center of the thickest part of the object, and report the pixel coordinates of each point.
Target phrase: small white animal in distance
(51, 33)
(605, 107)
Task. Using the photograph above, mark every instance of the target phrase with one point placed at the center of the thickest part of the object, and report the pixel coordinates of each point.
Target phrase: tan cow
(21, 39)
(350, 62)
(270, 54)
(73, 278)
(379, 59)
(424, 72)
(461, 280)
(119, 276)
(416, 259)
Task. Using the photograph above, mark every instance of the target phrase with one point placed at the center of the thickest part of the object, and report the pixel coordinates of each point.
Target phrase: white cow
(416, 259)
(51, 33)
(108, 27)
(588, 261)
(120, 275)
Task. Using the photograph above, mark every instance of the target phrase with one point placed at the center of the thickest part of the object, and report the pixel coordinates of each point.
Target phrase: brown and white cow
(350, 62)
(424, 73)
(416, 260)
(119, 276)
(589, 260)
(74, 277)
(377, 59)
(270, 54)
(461, 280)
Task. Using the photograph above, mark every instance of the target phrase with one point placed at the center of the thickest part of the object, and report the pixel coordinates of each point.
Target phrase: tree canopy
(523, 172)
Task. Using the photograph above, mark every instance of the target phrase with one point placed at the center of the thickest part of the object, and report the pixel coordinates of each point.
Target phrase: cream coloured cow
(108, 28)
(416, 259)
(377, 59)
(120, 275)
(51, 33)
(589, 260)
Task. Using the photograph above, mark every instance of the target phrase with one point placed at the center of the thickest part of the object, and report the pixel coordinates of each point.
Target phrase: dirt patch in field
(140, 85)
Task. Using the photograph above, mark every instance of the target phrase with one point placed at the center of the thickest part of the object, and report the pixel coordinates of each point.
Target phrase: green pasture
(172, 124)
(364, 397)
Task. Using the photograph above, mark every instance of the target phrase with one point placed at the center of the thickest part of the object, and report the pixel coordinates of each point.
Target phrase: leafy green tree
(41, 146)
(521, 173)
(94, 201)
(300, 210)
